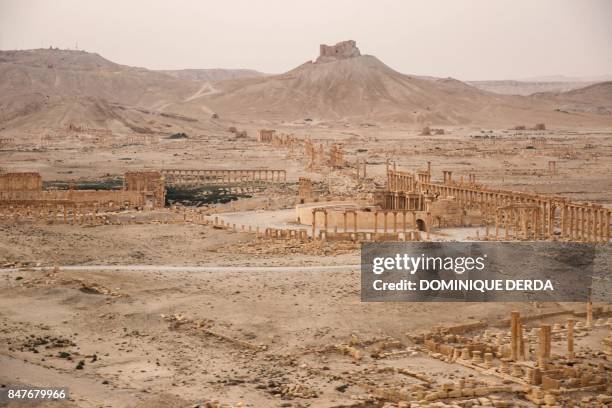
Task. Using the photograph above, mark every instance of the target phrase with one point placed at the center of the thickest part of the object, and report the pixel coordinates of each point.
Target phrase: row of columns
(404, 201)
(588, 223)
(400, 181)
(398, 222)
(20, 182)
(228, 176)
(585, 223)
(280, 233)
(300, 234)
(65, 213)
(476, 198)
(517, 341)
(518, 222)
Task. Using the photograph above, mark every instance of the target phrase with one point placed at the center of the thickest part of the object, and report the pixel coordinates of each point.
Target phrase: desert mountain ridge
(526, 88)
(52, 87)
(342, 84)
(594, 98)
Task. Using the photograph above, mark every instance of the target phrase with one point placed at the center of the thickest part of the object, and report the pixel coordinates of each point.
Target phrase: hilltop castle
(342, 50)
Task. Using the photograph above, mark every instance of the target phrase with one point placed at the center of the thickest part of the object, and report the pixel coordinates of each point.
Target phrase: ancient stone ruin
(20, 182)
(341, 50)
(150, 184)
(22, 197)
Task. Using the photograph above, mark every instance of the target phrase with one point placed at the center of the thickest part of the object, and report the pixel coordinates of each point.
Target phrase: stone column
(594, 218)
(522, 352)
(578, 224)
(563, 220)
(607, 225)
(325, 222)
(544, 346)
(515, 321)
(571, 223)
(576, 229)
(488, 360)
(602, 225)
(570, 338)
(504, 366)
(589, 312)
(385, 222)
(314, 224)
(523, 215)
(507, 214)
(544, 225)
(583, 224)
(497, 224)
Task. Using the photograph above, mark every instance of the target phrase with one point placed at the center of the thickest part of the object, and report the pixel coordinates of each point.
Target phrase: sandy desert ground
(153, 334)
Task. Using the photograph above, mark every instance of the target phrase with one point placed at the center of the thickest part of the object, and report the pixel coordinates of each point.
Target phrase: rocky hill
(343, 85)
(595, 98)
(212, 75)
(51, 87)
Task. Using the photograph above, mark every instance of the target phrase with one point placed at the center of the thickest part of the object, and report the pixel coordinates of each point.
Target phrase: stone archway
(420, 224)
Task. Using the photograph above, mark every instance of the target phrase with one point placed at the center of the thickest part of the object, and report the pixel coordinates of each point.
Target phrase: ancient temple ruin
(20, 182)
(411, 203)
(150, 184)
(22, 197)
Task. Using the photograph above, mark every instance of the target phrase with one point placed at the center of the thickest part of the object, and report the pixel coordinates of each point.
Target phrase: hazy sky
(470, 39)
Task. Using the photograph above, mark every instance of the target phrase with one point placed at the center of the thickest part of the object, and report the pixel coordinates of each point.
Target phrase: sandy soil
(277, 324)
(162, 336)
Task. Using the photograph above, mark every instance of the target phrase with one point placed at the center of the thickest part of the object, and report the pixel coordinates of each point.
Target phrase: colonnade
(518, 221)
(193, 176)
(585, 222)
(403, 201)
(392, 221)
(530, 215)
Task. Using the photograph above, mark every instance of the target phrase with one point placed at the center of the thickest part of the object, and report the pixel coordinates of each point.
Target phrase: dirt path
(206, 89)
(173, 268)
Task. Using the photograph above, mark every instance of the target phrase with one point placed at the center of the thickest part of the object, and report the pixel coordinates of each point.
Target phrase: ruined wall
(265, 135)
(149, 183)
(342, 50)
(21, 182)
(101, 197)
(140, 189)
(367, 217)
(446, 213)
(305, 190)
